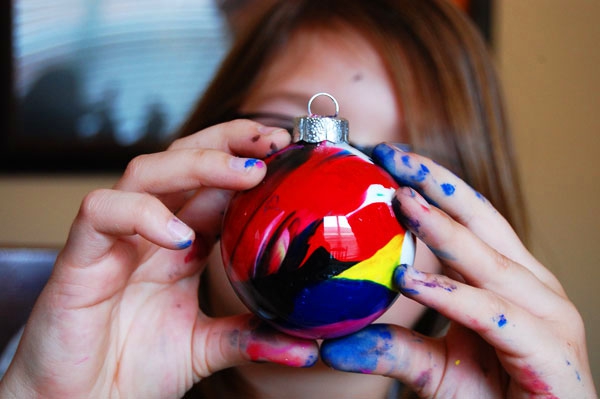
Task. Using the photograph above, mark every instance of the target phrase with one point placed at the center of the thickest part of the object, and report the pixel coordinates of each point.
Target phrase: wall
(38, 210)
(548, 53)
(548, 57)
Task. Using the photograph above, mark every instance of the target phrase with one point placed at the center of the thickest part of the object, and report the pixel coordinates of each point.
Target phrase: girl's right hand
(119, 316)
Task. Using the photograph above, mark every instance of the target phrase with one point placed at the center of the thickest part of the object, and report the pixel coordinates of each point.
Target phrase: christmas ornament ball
(312, 249)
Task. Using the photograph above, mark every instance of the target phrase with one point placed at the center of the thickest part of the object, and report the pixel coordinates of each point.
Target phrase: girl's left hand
(513, 332)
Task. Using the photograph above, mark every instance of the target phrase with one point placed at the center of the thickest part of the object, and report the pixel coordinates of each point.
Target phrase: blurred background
(547, 55)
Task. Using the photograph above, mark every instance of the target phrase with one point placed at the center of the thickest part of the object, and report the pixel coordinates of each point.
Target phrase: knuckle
(146, 206)
(134, 168)
(238, 124)
(177, 143)
(93, 203)
(502, 261)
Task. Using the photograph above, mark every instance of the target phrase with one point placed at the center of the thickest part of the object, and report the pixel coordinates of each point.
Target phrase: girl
(120, 316)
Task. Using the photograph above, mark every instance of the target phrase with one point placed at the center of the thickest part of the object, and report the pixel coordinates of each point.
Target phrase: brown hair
(443, 77)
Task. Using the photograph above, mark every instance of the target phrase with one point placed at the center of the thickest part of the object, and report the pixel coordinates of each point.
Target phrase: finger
(232, 341)
(445, 190)
(107, 215)
(502, 323)
(241, 136)
(205, 158)
(183, 170)
(416, 360)
(523, 341)
(478, 263)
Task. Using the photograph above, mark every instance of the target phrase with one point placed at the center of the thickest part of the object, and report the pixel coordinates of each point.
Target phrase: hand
(513, 332)
(119, 316)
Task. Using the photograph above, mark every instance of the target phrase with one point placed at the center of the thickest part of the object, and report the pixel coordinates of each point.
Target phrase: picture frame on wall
(90, 84)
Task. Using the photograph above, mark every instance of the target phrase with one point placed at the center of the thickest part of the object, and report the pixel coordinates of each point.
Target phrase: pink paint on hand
(532, 382)
(288, 355)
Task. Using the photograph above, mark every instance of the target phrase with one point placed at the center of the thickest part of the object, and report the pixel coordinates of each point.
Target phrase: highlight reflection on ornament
(312, 249)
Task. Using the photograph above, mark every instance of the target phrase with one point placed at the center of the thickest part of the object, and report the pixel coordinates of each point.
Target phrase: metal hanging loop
(337, 106)
(315, 128)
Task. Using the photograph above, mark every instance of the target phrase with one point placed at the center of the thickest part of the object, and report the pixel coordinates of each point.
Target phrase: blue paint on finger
(184, 244)
(500, 320)
(448, 189)
(444, 255)
(399, 280)
(360, 352)
(406, 161)
(250, 163)
(412, 224)
(385, 156)
(420, 175)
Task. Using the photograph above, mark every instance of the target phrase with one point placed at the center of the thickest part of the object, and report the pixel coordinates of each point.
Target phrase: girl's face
(344, 65)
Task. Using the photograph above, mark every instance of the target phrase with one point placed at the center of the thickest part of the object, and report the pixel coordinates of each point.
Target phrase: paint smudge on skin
(184, 244)
(251, 162)
(532, 382)
(421, 174)
(262, 345)
(385, 156)
(399, 279)
(577, 375)
(411, 224)
(475, 325)
(500, 320)
(406, 161)
(419, 199)
(448, 189)
(416, 338)
(394, 162)
(261, 353)
(436, 283)
(423, 379)
(361, 352)
(442, 254)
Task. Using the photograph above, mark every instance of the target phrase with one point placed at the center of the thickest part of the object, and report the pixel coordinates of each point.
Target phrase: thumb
(225, 342)
(392, 351)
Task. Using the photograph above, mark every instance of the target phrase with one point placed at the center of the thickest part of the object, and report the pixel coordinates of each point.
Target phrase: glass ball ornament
(312, 249)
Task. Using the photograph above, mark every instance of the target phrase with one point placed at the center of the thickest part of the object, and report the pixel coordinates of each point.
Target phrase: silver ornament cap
(315, 128)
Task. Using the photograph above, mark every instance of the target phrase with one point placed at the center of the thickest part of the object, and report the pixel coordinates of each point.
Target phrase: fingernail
(402, 147)
(383, 152)
(409, 192)
(180, 232)
(246, 163)
(401, 274)
(409, 223)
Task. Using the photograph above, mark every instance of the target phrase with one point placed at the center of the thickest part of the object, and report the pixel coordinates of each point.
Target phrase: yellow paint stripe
(379, 268)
